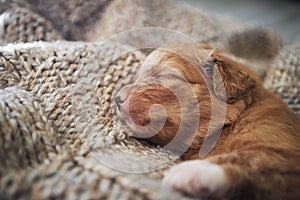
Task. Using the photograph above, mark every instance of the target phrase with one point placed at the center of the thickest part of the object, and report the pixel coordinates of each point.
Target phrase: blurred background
(282, 16)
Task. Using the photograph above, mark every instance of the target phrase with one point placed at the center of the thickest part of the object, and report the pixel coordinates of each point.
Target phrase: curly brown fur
(258, 153)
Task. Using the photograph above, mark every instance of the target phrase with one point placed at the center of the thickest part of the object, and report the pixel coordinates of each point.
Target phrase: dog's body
(258, 153)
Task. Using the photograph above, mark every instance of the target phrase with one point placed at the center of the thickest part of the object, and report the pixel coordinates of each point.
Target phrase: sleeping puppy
(256, 155)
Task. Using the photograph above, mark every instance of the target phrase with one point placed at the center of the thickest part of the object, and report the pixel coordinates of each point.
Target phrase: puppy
(256, 153)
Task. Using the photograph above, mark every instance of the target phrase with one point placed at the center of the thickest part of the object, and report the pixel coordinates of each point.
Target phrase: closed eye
(181, 78)
(173, 75)
(157, 76)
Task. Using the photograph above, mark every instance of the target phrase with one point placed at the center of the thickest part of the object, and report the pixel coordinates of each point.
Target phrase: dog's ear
(231, 76)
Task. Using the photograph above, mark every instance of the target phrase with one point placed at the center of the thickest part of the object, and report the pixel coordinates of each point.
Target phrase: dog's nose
(118, 102)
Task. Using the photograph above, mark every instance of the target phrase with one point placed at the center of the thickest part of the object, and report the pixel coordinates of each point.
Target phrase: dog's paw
(198, 178)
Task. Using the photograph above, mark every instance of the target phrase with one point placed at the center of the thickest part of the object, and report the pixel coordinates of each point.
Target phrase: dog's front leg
(243, 175)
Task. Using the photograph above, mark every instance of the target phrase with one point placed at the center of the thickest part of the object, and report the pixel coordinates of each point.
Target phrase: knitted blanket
(60, 136)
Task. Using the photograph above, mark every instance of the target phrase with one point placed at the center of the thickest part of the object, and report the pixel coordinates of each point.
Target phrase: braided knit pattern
(30, 27)
(283, 78)
(58, 123)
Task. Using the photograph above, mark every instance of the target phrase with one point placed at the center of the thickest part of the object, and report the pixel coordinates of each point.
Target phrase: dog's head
(176, 83)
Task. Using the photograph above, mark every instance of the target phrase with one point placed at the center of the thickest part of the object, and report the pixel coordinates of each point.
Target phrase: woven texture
(60, 137)
(284, 76)
(58, 123)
